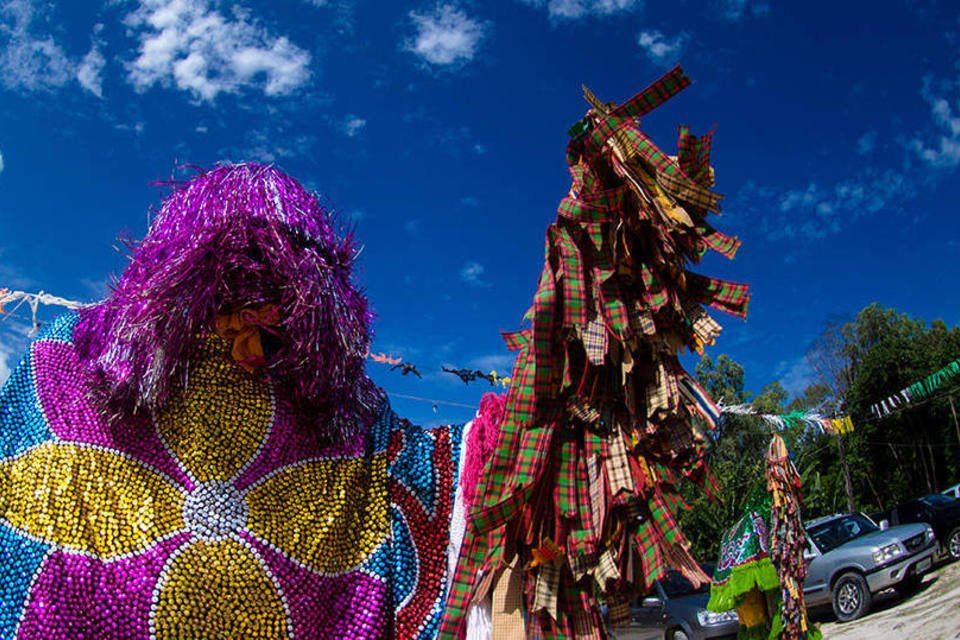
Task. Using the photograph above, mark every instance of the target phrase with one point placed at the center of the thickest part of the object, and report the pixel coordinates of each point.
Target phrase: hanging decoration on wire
(33, 301)
(917, 391)
(780, 422)
(383, 358)
(471, 375)
(406, 368)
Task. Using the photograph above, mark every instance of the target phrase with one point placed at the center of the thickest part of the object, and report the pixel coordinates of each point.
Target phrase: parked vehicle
(675, 610)
(953, 492)
(850, 558)
(940, 512)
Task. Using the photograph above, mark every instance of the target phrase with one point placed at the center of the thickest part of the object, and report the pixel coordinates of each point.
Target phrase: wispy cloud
(939, 144)
(796, 375)
(867, 143)
(31, 60)
(2, 165)
(502, 363)
(819, 210)
(739, 10)
(90, 71)
(661, 49)
(576, 9)
(193, 47)
(472, 274)
(446, 36)
(353, 125)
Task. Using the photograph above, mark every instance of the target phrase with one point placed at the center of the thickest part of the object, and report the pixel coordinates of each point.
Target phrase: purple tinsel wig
(230, 237)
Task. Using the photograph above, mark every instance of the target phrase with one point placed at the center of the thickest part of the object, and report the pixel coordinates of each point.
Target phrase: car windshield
(939, 500)
(830, 535)
(676, 586)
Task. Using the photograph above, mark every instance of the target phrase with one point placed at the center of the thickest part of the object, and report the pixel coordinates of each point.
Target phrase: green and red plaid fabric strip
(570, 277)
(545, 364)
(593, 206)
(647, 541)
(668, 173)
(668, 85)
(723, 244)
(523, 469)
(566, 482)
(615, 313)
(516, 340)
(731, 297)
(471, 562)
(655, 294)
(693, 155)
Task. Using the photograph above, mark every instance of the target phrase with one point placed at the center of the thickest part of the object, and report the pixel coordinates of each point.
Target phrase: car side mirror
(884, 524)
(651, 602)
(808, 553)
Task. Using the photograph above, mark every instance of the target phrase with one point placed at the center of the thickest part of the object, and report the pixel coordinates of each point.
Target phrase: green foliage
(859, 362)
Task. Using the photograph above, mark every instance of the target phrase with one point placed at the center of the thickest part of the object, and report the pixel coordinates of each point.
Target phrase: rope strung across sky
(917, 391)
(33, 300)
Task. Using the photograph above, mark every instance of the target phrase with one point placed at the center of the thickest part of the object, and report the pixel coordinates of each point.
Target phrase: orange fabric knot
(548, 553)
(243, 328)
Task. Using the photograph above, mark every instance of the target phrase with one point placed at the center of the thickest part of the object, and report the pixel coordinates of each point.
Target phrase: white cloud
(193, 47)
(30, 61)
(940, 146)
(817, 211)
(867, 143)
(2, 165)
(659, 48)
(472, 274)
(353, 125)
(575, 9)
(446, 36)
(738, 10)
(89, 73)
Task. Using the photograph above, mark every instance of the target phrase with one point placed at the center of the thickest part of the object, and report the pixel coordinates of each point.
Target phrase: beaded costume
(227, 501)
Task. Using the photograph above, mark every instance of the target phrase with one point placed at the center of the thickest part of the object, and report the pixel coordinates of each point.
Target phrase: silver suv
(849, 558)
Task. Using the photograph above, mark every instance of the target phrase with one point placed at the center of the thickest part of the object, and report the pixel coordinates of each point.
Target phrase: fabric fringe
(600, 418)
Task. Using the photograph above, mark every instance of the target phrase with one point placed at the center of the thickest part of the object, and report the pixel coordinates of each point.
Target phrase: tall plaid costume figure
(578, 498)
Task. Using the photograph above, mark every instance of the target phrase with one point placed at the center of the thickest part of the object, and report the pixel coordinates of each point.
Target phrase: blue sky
(438, 130)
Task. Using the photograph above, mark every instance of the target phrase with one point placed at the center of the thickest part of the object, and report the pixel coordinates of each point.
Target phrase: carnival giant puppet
(201, 454)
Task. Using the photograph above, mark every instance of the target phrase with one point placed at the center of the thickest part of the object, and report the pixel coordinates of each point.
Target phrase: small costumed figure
(761, 568)
(201, 455)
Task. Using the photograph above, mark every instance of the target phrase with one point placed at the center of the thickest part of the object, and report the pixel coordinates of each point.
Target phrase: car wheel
(953, 544)
(677, 634)
(851, 597)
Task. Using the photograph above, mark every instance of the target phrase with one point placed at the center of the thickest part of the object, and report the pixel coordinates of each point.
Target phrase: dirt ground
(933, 613)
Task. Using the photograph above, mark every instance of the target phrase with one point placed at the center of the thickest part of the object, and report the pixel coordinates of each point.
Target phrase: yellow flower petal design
(328, 514)
(220, 421)
(88, 499)
(217, 590)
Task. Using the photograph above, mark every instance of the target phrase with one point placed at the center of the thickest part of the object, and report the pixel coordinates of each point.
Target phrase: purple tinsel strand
(234, 236)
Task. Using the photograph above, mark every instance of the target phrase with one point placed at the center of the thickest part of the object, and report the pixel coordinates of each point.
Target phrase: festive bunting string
(916, 391)
(779, 422)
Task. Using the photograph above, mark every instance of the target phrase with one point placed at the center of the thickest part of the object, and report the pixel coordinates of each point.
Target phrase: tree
(829, 356)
